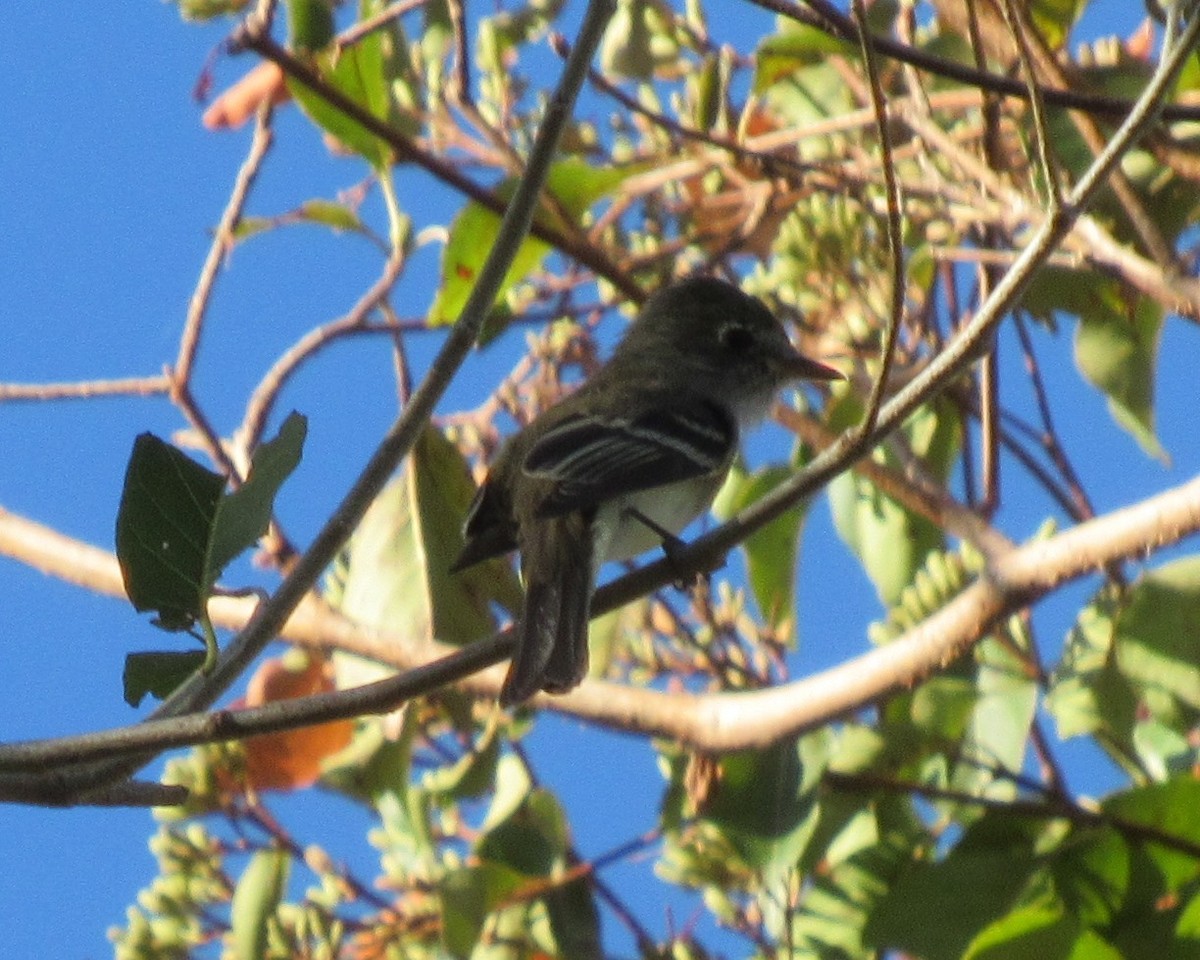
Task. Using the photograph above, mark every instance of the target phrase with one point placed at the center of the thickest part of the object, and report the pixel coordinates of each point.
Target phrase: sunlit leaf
(1118, 353)
(259, 891)
(640, 39)
(1158, 644)
(1040, 930)
(394, 573)
(772, 553)
(890, 541)
(244, 515)
(359, 74)
(574, 185)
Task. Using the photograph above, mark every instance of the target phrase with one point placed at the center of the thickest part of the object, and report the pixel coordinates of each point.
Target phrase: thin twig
(258, 407)
(1052, 808)
(393, 11)
(85, 389)
(193, 327)
(887, 349)
(189, 341)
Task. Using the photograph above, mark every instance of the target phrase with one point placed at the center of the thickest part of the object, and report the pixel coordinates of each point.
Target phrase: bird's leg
(671, 545)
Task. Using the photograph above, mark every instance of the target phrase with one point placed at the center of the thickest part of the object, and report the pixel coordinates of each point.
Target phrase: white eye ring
(735, 337)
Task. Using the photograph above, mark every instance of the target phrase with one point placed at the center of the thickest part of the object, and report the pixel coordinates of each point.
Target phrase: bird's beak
(800, 367)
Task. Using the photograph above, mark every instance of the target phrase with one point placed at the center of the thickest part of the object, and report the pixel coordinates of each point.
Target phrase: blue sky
(111, 188)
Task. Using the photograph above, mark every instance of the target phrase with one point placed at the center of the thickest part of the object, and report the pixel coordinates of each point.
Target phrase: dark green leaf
(258, 894)
(531, 841)
(464, 909)
(310, 24)
(243, 516)
(574, 920)
(1169, 808)
(164, 529)
(1091, 872)
(157, 673)
(764, 801)
(934, 910)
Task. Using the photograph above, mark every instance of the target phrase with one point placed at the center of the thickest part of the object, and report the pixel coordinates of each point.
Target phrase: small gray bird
(626, 462)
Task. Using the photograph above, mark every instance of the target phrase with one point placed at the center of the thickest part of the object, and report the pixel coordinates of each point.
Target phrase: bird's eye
(735, 338)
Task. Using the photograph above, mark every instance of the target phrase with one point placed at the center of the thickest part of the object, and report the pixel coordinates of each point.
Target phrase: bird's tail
(552, 653)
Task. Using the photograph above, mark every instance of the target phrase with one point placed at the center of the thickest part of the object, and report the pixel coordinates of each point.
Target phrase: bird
(625, 462)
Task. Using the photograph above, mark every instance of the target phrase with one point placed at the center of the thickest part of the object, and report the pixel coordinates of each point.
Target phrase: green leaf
(164, 528)
(157, 673)
(574, 185)
(513, 787)
(1116, 341)
(244, 515)
(1045, 931)
(891, 542)
(997, 734)
(1117, 350)
(772, 553)
(257, 896)
(574, 920)
(175, 529)
(472, 236)
(394, 572)
(764, 801)
(1091, 873)
(1088, 694)
(472, 775)
(795, 46)
(530, 841)
(464, 909)
(639, 40)
(201, 10)
(310, 24)
(359, 73)
(833, 914)
(337, 216)
(935, 910)
(1169, 808)
(1157, 642)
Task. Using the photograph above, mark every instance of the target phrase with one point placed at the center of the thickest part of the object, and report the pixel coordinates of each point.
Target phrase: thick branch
(708, 722)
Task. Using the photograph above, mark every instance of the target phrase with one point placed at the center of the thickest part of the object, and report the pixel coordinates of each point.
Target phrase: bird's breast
(620, 535)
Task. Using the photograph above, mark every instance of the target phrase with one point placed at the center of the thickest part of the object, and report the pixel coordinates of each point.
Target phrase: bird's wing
(592, 458)
(488, 530)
